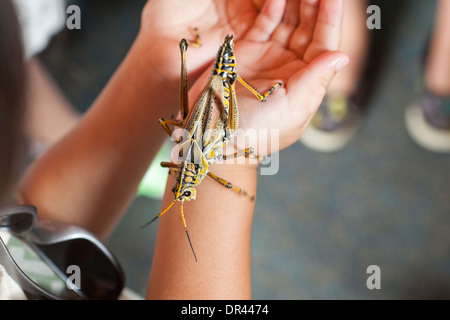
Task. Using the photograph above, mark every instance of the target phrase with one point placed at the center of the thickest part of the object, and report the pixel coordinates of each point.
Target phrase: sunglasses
(76, 258)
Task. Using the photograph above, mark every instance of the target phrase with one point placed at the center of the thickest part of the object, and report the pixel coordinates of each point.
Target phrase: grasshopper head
(188, 177)
(184, 193)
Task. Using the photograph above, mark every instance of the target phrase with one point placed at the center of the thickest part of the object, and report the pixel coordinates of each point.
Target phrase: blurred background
(324, 218)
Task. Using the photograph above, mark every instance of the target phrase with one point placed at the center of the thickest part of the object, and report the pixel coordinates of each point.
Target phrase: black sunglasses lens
(18, 219)
(37, 279)
(99, 277)
(18, 224)
(64, 249)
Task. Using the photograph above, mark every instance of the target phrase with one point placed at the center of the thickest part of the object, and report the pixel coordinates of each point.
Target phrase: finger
(267, 21)
(289, 23)
(303, 35)
(315, 77)
(327, 31)
(258, 4)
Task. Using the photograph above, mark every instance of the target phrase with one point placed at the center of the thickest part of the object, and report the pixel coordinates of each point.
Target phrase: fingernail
(341, 63)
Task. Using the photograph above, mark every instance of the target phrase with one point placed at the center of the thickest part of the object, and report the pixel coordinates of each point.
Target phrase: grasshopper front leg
(165, 124)
(173, 167)
(196, 42)
(169, 165)
(260, 96)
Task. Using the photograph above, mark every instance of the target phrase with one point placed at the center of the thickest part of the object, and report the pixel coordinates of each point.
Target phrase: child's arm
(295, 46)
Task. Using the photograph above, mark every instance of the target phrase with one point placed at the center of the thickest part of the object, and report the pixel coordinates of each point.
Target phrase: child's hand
(294, 45)
(166, 22)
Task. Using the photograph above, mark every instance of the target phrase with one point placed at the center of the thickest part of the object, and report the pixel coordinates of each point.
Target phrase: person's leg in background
(428, 118)
(437, 78)
(49, 115)
(337, 120)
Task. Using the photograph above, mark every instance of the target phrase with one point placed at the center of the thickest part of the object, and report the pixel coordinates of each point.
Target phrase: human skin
(220, 220)
(91, 175)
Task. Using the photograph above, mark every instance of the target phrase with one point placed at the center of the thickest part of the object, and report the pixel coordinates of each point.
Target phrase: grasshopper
(207, 127)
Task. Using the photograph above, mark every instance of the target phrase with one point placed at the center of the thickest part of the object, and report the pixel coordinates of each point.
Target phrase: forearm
(91, 175)
(219, 223)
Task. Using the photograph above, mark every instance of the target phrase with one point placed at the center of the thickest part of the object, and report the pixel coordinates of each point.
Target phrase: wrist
(237, 180)
(139, 58)
(148, 79)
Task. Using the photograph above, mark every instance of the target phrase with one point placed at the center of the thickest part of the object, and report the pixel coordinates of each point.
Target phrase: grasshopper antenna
(187, 233)
(158, 216)
(192, 248)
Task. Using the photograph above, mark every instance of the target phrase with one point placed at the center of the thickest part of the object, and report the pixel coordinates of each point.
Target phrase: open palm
(165, 22)
(292, 42)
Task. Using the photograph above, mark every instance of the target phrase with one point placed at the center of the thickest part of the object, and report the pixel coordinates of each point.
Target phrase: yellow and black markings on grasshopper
(207, 127)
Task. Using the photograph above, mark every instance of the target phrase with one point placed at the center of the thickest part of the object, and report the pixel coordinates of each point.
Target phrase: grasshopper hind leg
(196, 42)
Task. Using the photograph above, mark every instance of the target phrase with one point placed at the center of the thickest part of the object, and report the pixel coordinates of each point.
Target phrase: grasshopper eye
(187, 194)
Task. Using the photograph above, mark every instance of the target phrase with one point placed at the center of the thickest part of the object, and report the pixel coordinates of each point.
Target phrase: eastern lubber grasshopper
(207, 127)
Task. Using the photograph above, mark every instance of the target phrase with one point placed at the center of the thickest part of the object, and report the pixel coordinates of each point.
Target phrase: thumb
(314, 78)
